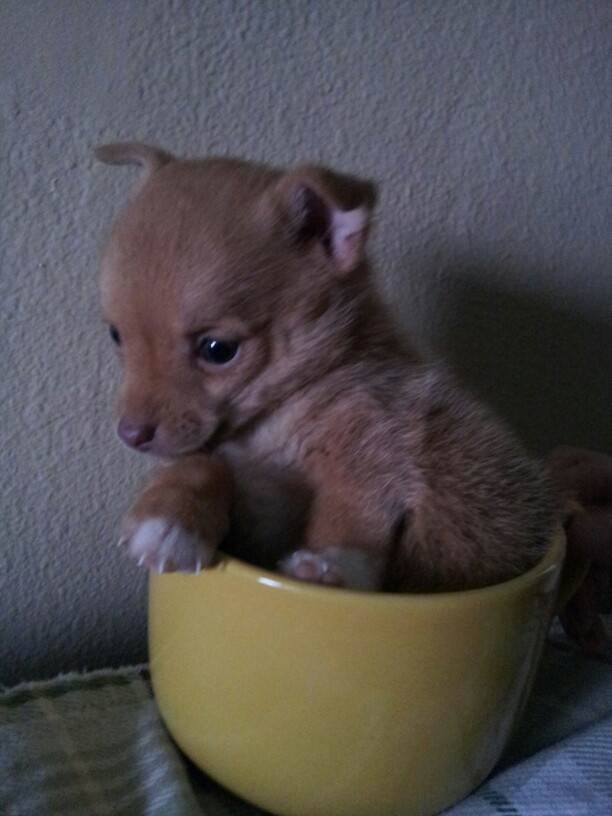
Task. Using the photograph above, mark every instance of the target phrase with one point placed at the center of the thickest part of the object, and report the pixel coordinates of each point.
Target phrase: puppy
(299, 429)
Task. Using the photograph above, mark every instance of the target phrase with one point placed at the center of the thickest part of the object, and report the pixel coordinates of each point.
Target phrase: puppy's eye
(218, 352)
(114, 335)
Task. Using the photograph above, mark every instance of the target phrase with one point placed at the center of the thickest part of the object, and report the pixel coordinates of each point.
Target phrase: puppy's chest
(275, 487)
(283, 440)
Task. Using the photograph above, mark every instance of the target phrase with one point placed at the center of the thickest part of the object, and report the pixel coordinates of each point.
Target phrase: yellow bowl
(312, 701)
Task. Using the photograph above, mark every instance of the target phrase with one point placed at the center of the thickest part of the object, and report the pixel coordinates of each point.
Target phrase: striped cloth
(93, 745)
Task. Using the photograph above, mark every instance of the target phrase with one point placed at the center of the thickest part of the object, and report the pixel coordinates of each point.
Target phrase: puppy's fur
(299, 428)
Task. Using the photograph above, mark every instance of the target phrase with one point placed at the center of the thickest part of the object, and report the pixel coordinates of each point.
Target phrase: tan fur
(325, 434)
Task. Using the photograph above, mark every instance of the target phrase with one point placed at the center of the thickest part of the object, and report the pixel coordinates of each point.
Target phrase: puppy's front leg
(343, 549)
(181, 516)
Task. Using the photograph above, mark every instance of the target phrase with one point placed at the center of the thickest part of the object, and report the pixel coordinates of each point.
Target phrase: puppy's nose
(135, 434)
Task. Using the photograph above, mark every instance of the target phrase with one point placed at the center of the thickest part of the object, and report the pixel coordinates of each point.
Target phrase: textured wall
(487, 124)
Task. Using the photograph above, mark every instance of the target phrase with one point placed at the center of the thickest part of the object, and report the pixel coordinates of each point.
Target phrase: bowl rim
(550, 563)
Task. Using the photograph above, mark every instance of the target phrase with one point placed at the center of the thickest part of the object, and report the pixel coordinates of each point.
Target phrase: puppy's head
(226, 286)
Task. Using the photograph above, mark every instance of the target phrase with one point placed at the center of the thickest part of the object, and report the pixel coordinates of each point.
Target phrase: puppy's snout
(135, 434)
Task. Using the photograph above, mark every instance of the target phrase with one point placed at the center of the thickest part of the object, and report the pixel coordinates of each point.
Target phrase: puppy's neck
(353, 329)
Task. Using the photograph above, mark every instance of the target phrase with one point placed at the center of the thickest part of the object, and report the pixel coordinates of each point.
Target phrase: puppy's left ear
(147, 156)
(322, 206)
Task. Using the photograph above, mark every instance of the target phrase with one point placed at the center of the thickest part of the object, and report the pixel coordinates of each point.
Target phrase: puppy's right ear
(328, 208)
(147, 156)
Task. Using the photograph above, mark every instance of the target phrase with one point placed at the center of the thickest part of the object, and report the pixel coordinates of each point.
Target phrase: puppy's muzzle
(175, 435)
(136, 435)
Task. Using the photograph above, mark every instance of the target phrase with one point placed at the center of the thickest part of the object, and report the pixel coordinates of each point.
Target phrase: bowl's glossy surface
(310, 701)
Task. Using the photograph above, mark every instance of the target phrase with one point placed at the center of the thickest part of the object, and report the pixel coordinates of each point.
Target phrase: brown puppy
(299, 428)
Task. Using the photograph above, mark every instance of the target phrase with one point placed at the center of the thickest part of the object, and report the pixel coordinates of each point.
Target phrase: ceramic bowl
(314, 701)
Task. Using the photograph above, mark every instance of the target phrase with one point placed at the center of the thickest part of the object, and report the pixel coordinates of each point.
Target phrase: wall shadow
(545, 368)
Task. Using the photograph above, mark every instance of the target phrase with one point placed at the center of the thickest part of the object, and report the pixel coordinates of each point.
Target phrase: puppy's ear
(149, 157)
(332, 209)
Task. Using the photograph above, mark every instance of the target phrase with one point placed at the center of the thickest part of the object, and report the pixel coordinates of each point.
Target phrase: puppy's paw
(334, 567)
(311, 567)
(164, 546)
(180, 518)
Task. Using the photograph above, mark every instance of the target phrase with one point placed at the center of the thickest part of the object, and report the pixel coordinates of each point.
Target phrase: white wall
(487, 125)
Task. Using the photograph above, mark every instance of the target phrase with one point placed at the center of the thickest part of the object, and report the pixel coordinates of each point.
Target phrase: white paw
(337, 567)
(160, 545)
